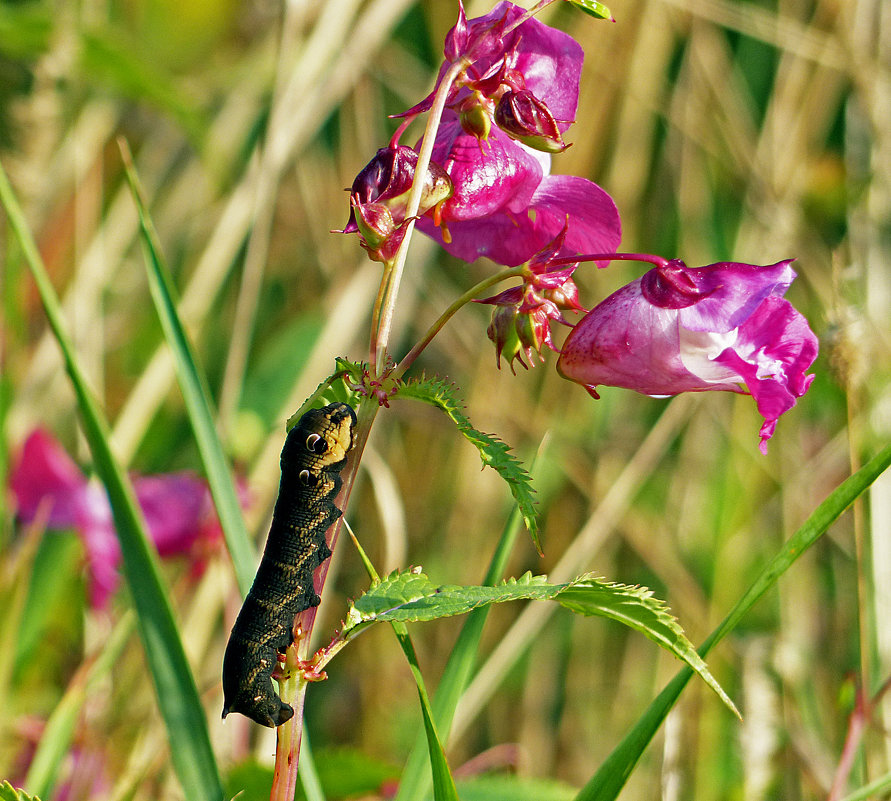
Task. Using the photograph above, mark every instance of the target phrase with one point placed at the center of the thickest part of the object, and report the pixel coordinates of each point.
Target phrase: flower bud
(524, 117)
(379, 198)
(502, 331)
(475, 116)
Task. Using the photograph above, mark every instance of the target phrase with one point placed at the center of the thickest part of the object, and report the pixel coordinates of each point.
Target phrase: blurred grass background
(751, 131)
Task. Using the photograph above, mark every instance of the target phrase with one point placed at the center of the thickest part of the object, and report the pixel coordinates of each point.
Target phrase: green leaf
(196, 396)
(610, 778)
(494, 453)
(593, 9)
(178, 699)
(9, 793)
(498, 787)
(412, 597)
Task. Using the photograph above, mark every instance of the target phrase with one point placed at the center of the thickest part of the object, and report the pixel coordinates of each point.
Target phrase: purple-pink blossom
(177, 508)
(524, 78)
(679, 329)
(506, 206)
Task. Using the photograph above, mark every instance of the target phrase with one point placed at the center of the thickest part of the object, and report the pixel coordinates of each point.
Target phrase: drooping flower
(177, 509)
(506, 113)
(504, 54)
(721, 327)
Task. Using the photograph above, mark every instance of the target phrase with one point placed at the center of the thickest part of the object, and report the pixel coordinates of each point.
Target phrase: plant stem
(648, 258)
(394, 277)
(434, 329)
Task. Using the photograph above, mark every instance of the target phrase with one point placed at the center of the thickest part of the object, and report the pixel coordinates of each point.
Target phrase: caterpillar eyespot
(315, 452)
(312, 440)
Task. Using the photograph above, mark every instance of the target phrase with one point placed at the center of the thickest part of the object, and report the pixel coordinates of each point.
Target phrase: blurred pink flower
(177, 508)
(721, 327)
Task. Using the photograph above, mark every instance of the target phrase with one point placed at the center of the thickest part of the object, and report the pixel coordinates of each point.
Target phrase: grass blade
(195, 394)
(180, 706)
(443, 783)
(607, 782)
(415, 780)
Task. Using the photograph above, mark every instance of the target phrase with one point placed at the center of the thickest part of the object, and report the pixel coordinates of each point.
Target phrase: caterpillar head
(259, 704)
(321, 438)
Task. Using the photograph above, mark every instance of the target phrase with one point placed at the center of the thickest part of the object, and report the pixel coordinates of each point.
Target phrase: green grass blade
(443, 783)
(415, 780)
(195, 395)
(180, 706)
(874, 789)
(607, 782)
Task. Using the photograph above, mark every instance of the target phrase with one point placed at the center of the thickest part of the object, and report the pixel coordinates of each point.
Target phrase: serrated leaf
(412, 597)
(637, 608)
(9, 793)
(494, 453)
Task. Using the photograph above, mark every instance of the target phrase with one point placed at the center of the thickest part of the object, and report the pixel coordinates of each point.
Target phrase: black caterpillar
(314, 454)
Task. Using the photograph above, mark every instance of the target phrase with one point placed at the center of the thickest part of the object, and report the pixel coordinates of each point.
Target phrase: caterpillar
(314, 453)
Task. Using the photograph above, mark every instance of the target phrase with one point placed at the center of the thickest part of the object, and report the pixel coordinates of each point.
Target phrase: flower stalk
(393, 273)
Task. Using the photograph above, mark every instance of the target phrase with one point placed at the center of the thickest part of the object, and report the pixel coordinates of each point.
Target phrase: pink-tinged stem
(529, 14)
(414, 203)
(289, 735)
(656, 261)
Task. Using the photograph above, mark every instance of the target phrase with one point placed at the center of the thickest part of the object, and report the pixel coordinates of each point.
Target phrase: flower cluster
(509, 86)
(521, 321)
(177, 509)
(488, 191)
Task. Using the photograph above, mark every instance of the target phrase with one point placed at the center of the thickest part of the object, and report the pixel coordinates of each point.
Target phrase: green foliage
(592, 8)
(175, 686)
(411, 597)
(500, 787)
(9, 793)
(494, 453)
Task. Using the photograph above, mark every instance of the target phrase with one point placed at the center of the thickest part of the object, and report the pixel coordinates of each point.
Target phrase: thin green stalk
(178, 700)
(610, 778)
(462, 301)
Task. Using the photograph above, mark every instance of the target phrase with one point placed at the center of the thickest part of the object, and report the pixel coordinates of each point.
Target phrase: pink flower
(506, 207)
(177, 509)
(521, 85)
(721, 327)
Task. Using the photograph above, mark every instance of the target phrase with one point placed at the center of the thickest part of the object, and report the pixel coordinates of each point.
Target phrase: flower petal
(176, 507)
(44, 473)
(776, 349)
